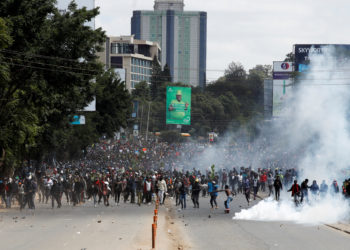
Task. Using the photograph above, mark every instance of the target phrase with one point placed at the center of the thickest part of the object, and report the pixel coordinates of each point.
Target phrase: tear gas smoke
(331, 209)
(317, 122)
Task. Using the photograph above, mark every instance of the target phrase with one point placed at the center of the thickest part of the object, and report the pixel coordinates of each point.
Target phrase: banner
(302, 52)
(282, 66)
(178, 105)
(78, 120)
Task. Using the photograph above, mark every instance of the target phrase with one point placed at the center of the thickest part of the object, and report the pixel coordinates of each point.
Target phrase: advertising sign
(282, 67)
(78, 120)
(281, 92)
(303, 51)
(178, 105)
(281, 75)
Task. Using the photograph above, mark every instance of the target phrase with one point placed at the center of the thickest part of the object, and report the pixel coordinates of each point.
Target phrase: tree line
(49, 71)
(233, 102)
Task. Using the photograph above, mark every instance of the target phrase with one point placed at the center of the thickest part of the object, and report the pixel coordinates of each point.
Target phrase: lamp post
(149, 108)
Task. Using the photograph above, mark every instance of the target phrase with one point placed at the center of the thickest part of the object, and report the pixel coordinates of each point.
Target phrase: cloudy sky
(247, 31)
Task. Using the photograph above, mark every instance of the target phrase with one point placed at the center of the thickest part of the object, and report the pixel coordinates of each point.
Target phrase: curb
(337, 228)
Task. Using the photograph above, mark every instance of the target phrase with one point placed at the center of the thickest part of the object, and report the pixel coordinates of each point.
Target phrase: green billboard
(178, 105)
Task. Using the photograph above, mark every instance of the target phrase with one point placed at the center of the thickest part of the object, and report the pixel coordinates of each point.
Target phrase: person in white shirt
(162, 189)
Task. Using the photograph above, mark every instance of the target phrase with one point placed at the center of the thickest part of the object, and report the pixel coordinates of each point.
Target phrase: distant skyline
(251, 31)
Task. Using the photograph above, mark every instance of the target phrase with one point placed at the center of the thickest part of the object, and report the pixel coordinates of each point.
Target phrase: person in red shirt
(295, 189)
(263, 179)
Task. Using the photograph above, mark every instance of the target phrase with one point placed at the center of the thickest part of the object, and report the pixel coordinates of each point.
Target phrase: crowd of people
(115, 171)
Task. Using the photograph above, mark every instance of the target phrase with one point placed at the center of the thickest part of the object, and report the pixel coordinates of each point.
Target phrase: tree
(156, 78)
(235, 71)
(166, 74)
(262, 71)
(290, 57)
(52, 66)
(5, 41)
(17, 124)
(141, 92)
(113, 104)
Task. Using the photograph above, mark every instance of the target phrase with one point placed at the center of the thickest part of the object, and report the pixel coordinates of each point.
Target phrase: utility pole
(141, 119)
(149, 108)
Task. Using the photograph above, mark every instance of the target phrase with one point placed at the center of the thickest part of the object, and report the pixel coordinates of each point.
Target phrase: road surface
(128, 226)
(213, 229)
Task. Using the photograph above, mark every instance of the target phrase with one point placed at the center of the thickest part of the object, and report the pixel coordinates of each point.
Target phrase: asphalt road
(128, 226)
(204, 228)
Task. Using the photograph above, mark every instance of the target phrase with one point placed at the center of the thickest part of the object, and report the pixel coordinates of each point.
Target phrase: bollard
(155, 211)
(153, 236)
(155, 218)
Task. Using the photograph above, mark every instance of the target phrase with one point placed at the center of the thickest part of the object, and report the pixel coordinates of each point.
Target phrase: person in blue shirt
(246, 189)
(214, 195)
(210, 187)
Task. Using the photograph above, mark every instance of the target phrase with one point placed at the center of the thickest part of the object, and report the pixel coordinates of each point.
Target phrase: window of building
(122, 48)
(117, 62)
(114, 48)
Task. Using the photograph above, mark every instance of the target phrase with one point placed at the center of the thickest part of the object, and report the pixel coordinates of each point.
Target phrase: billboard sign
(282, 67)
(78, 120)
(302, 52)
(178, 105)
(281, 75)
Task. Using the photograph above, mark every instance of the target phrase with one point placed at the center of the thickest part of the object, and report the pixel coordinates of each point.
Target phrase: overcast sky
(248, 31)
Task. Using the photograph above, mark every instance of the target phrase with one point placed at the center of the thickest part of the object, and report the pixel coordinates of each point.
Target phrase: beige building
(132, 55)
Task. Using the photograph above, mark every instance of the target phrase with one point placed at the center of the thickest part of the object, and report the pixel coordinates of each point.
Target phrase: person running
(335, 187)
(183, 192)
(162, 189)
(255, 186)
(195, 193)
(304, 190)
(323, 189)
(214, 195)
(270, 184)
(246, 189)
(56, 193)
(314, 188)
(278, 187)
(295, 189)
(228, 193)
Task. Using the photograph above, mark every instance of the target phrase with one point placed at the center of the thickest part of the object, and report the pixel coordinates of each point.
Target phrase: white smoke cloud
(318, 123)
(329, 210)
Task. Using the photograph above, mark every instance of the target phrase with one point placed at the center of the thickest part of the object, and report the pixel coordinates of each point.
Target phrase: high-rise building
(130, 57)
(182, 36)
